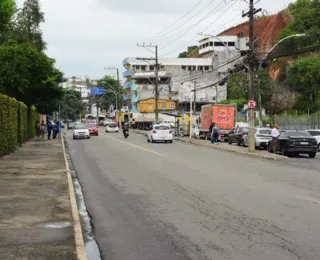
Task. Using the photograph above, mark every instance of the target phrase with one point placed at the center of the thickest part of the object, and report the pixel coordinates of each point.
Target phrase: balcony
(127, 73)
(127, 85)
(127, 97)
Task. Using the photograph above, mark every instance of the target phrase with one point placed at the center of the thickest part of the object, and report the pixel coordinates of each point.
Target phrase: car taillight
(154, 131)
(170, 132)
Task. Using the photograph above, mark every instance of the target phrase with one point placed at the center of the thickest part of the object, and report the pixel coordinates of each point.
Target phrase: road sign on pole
(252, 104)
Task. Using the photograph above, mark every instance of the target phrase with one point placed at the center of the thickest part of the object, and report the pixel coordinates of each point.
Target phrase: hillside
(266, 29)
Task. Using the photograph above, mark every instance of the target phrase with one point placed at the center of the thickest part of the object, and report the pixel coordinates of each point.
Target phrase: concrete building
(183, 78)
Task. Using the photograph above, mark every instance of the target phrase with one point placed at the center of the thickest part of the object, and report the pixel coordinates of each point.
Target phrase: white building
(180, 78)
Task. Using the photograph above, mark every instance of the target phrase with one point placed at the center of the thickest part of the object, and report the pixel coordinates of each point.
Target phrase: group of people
(51, 127)
(214, 132)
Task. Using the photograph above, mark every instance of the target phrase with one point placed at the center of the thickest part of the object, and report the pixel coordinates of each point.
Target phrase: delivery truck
(222, 115)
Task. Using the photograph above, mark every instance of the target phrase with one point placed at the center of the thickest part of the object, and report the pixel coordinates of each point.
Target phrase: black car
(295, 142)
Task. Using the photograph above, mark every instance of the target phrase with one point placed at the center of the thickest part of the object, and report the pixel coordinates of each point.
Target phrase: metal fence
(302, 122)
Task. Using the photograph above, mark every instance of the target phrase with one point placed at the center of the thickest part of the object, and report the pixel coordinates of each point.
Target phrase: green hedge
(17, 124)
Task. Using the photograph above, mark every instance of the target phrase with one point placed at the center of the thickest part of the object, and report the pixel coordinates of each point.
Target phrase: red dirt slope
(266, 29)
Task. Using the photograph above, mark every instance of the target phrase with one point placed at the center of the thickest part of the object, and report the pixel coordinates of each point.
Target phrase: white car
(108, 121)
(112, 128)
(316, 134)
(160, 132)
(81, 132)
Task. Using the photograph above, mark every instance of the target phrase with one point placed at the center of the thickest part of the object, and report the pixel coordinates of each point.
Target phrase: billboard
(96, 91)
(223, 116)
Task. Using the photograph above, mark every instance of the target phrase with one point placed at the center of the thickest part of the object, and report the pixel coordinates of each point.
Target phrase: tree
(188, 53)
(7, 9)
(29, 76)
(281, 98)
(304, 77)
(27, 25)
(109, 84)
(305, 20)
(72, 104)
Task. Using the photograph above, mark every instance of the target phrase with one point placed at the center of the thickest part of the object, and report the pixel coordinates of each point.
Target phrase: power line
(165, 35)
(194, 25)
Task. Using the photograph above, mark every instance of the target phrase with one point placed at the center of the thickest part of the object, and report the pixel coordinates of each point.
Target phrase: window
(172, 106)
(231, 44)
(151, 68)
(183, 67)
(143, 67)
(149, 105)
(206, 68)
(200, 68)
(218, 44)
(162, 127)
(265, 132)
(298, 133)
(164, 106)
(314, 133)
(211, 43)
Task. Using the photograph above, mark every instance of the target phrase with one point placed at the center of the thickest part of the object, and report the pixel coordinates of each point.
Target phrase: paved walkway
(35, 213)
(226, 147)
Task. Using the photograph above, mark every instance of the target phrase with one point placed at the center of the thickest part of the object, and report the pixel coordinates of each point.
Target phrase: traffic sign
(252, 104)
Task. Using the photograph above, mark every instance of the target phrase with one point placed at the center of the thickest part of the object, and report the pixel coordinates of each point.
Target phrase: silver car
(262, 137)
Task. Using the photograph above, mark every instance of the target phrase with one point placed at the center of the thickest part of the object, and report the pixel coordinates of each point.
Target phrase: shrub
(17, 124)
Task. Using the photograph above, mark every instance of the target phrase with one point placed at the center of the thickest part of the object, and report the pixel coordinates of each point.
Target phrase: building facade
(182, 79)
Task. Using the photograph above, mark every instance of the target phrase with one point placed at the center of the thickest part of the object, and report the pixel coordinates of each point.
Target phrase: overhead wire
(203, 30)
(177, 21)
(194, 25)
(166, 35)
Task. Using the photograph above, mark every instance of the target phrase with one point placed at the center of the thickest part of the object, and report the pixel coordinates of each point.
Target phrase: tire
(74, 138)
(284, 152)
(148, 140)
(239, 142)
(312, 155)
(152, 141)
(229, 141)
(97, 134)
(170, 141)
(89, 137)
(318, 147)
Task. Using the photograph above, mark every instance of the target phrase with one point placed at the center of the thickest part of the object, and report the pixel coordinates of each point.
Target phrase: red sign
(252, 104)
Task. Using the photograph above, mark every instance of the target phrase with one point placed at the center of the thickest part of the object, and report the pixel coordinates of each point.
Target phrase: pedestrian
(215, 134)
(37, 127)
(275, 135)
(42, 128)
(49, 129)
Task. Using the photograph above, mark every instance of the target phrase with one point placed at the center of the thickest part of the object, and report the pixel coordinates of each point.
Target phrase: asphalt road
(179, 201)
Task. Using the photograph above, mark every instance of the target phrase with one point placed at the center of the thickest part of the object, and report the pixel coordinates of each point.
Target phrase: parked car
(295, 142)
(316, 134)
(160, 133)
(262, 137)
(112, 128)
(93, 129)
(81, 132)
(237, 135)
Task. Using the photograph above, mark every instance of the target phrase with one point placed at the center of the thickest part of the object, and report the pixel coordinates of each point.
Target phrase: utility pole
(118, 79)
(156, 74)
(194, 97)
(252, 61)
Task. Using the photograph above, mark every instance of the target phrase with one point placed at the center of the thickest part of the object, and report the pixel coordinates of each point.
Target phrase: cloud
(84, 36)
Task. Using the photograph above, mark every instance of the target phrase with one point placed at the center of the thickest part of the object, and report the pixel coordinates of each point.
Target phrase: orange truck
(222, 115)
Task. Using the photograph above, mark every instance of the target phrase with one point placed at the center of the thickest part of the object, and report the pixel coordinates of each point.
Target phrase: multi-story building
(83, 85)
(183, 78)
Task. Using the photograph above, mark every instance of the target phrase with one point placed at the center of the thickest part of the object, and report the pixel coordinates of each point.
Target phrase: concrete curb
(273, 157)
(81, 251)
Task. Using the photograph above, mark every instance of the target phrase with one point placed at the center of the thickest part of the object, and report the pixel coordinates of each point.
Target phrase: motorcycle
(126, 133)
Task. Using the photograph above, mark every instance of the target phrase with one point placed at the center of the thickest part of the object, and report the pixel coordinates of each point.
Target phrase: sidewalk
(226, 147)
(36, 220)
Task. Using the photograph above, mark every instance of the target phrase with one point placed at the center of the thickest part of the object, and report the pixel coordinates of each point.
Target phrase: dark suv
(236, 136)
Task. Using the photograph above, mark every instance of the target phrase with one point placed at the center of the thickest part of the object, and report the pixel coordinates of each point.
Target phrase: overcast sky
(84, 36)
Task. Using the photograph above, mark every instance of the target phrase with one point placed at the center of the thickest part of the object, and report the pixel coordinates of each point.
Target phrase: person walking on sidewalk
(275, 135)
(49, 129)
(215, 134)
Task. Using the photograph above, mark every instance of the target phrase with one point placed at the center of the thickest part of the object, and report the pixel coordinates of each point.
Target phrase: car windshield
(298, 133)
(112, 125)
(265, 131)
(80, 127)
(162, 127)
(91, 125)
(314, 133)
